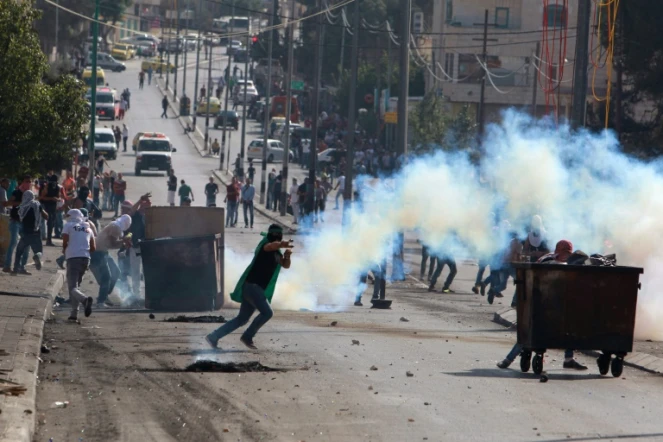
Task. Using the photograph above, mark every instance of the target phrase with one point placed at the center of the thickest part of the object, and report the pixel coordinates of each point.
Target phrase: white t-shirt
(111, 232)
(3, 199)
(125, 132)
(306, 146)
(293, 193)
(79, 239)
(341, 183)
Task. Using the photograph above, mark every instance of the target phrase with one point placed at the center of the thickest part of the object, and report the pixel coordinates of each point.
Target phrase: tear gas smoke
(585, 189)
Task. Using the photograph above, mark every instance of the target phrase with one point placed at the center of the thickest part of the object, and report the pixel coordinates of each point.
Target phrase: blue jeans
(15, 230)
(59, 223)
(248, 206)
(480, 272)
(253, 299)
(231, 213)
(105, 272)
(106, 200)
(441, 262)
(32, 241)
(117, 200)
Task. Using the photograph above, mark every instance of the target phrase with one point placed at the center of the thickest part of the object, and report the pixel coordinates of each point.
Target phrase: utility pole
(199, 43)
(484, 58)
(352, 111)
(93, 86)
(265, 133)
(340, 64)
(57, 27)
(228, 85)
(288, 109)
(186, 33)
(161, 50)
(535, 79)
(404, 81)
(169, 46)
(209, 92)
(246, 85)
(386, 104)
(177, 52)
(619, 68)
(579, 103)
(309, 207)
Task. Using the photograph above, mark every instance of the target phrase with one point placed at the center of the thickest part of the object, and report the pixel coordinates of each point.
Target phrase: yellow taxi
(87, 77)
(157, 65)
(134, 143)
(213, 108)
(122, 51)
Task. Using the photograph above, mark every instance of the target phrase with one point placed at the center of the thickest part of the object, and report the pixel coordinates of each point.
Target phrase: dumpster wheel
(603, 361)
(537, 363)
(525, 360)
(617, 366)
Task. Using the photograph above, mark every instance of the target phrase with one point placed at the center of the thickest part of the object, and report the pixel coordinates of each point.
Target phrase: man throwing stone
(256, 287)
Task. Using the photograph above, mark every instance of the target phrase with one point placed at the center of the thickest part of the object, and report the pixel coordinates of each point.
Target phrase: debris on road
(45, 349)
(404, 319)
(151, 316)
(333, 323)
(9, 388)
(409, 374)
(374, 368)
(206, 319)
(544, 378)
(229, 367)
(60, 404)
(355, 342)
(410, 420)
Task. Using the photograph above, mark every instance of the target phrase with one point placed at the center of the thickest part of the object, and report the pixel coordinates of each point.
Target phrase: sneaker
(248, 342)
(504, 364)
(421, 276)
(574, 365)
(482, 289)
(359, 304)
(6, 270)
(475, 289)
(431, 289)
(109, 304)
(87, 304)
(211, 341)
(60, 262)
(491, 297)
(448, 290)
(499, 295)
(72, 319)
(37, 260)
(24, 272)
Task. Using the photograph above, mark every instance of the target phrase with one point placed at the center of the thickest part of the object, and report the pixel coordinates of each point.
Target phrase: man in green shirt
(184, 192)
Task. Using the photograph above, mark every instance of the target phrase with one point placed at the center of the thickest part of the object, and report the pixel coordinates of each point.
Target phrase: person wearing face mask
(256, 287)
(77, 245)
(536, 245)
(104, 269)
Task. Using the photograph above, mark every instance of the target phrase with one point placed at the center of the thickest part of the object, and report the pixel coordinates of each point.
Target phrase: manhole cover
(229, 367)
(208, 319)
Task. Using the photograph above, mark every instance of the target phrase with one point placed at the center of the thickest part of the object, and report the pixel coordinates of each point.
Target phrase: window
(449, 11)
(554, 16)
(501, 17)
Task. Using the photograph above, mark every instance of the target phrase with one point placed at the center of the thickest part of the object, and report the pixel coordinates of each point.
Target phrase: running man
(256, 287)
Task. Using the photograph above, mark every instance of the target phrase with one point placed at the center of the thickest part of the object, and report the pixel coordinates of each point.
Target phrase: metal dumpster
(576, 307)
(184, 273)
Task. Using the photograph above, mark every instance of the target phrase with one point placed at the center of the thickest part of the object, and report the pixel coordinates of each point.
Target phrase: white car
(275, 150)
(234, 44)
(104, 142)
(251, 94)
(280, 131)
(239, 87)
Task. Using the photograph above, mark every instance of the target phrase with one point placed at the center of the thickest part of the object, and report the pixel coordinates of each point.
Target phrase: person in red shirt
(119, 187)
(232, 201)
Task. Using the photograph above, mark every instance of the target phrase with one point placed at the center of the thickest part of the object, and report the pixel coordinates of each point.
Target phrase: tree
(434, 128)
(39, 121)
(111, 11)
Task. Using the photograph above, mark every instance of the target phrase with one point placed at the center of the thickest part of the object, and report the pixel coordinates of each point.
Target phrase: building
(519, 74)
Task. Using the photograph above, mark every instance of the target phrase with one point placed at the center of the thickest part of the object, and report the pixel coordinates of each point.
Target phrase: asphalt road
(123, 374)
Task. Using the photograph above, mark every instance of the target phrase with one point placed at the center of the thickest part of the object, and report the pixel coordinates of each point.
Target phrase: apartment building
(519, 75)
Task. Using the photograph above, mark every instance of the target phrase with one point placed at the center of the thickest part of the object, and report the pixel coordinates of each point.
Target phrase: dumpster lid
(185, 238)
(585, 268)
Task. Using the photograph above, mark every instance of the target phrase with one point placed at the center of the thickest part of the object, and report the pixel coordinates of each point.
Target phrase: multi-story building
(519, 75)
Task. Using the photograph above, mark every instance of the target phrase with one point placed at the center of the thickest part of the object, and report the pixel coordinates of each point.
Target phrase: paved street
(424, 370)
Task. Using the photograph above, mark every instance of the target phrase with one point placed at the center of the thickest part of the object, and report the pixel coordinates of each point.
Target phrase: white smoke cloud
(583, 187)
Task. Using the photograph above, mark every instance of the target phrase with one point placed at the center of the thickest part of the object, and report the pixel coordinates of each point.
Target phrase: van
(87, 77)
(153, 152)
(106, 61)
(279, 108)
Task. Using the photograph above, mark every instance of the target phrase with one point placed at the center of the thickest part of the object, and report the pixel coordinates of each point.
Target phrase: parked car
(123, 51)
(146, 49)
(275, 150)
(157, 65)
(232, 46)
(256, 111)
(231, 118)
(240, 55)
(212, 108)
(104, 142)
(248, 97)
(106, 61)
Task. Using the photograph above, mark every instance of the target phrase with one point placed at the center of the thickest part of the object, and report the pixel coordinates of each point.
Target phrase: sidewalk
(636, 359)
(25, 302)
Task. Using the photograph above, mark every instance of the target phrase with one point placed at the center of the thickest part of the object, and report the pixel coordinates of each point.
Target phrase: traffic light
(254, 39)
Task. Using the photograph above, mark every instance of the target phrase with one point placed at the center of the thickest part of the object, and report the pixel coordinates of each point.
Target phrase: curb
(22, 414)
(641, 361)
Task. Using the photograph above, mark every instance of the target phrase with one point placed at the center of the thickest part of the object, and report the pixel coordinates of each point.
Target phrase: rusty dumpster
(579, 307)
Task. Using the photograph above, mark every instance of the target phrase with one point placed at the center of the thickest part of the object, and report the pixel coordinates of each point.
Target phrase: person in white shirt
(105, 270)
(294, 198)
(340, 185)
(77, 244)
(125, 136)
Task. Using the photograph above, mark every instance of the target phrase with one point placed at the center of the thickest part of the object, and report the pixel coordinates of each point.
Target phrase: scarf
(236, 295)
(75, 216)
(537, 232)
(28, 202)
